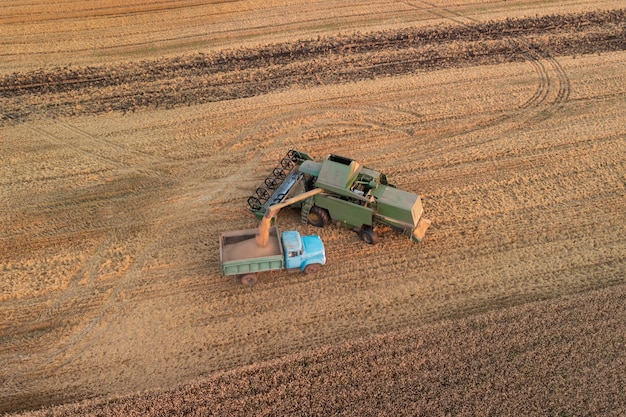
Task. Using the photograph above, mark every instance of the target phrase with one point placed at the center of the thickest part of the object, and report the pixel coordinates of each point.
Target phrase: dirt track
(118, 173)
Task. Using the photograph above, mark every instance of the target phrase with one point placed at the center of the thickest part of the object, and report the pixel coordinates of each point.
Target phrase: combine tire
(248, 279)
(368, 235)
(318, 217)
(312, 269)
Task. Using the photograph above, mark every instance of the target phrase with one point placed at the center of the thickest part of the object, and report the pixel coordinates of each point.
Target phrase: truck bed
(240, 254)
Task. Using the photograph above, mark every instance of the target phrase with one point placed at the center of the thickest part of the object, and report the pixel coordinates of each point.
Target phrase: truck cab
(305, 254)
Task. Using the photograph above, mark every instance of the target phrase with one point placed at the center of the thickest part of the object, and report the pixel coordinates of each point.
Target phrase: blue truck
(241, 255)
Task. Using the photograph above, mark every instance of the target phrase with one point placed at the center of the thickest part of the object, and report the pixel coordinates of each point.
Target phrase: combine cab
(339, 190)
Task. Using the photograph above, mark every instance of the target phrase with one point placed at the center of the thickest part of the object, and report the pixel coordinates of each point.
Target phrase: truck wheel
(248, 279)
(369, 236)
(312, 268)
(318, 217)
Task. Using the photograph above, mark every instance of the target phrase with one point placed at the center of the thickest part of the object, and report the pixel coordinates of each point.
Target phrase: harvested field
(130, 141)
(532, 360)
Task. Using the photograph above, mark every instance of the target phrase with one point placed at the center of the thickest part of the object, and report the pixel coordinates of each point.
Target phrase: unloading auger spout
(264, 227)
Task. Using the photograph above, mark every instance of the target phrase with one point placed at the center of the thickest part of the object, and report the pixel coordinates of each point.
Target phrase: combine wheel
(312, 269)
(248, 279)
(318, 217)
(368, 235)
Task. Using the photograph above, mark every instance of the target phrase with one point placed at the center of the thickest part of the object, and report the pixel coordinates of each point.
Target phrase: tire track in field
(534, 236)
(90, 300)
(93, 300)
(97, 316)
(273, 128)
(110, 153)
(530, 109)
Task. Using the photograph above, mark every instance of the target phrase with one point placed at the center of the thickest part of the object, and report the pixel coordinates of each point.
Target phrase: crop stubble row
(229, 75)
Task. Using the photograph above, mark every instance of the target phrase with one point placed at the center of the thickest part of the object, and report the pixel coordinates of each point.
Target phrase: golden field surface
(133, 133)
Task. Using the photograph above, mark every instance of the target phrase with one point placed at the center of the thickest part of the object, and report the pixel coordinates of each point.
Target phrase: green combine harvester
(339, 190)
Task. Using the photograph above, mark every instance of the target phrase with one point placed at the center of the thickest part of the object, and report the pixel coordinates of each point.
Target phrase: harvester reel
(263, 194)
(287, 163)
(294, 155)
(254, 203)
(279, 173)
(271, 183)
